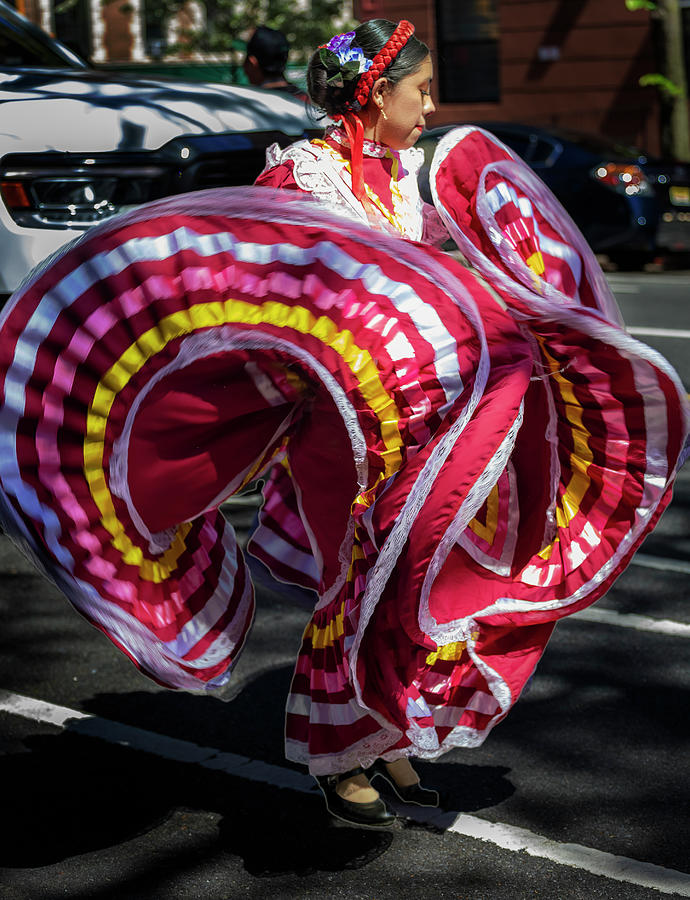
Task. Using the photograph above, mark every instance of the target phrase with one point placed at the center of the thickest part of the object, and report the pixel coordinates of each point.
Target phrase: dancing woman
(451, 468)
(375, 82)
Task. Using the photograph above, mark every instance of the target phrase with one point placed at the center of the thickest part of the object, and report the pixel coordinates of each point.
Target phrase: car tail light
(625, 178)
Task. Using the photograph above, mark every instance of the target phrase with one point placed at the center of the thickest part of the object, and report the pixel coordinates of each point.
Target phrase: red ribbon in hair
(351, 122)
(354, 129)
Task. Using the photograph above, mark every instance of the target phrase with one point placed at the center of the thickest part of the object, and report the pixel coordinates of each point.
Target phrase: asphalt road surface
(115, 788)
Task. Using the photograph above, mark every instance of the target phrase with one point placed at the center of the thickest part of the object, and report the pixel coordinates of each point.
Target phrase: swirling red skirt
(451, 470)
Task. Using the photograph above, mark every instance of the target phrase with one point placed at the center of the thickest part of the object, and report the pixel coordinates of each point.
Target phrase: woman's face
(406, 105)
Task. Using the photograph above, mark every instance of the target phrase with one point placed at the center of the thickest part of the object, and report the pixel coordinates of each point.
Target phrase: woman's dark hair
(371, 36)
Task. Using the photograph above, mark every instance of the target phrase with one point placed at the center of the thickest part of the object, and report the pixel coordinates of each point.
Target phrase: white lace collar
(369, 148)
(321, 171)
(412, 158)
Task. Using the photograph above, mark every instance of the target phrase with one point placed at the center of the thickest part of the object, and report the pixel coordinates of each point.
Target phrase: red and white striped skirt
(449, 470)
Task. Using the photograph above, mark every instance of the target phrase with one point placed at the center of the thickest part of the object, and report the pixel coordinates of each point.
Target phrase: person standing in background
(266, 59)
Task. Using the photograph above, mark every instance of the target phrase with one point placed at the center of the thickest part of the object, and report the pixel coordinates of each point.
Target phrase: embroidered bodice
(321, 168)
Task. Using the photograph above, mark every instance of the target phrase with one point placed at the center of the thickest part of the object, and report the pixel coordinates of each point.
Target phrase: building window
(468, 53)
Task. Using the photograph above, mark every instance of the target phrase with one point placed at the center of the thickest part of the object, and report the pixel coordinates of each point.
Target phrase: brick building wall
(569, 63)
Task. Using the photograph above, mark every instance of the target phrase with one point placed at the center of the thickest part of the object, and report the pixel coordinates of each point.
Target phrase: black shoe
(369, 815)
(411, 793)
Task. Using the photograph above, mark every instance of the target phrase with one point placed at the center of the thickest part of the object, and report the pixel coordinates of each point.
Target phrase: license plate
(679, 196)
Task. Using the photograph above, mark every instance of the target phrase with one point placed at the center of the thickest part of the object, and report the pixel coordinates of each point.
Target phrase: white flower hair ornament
(346, 62)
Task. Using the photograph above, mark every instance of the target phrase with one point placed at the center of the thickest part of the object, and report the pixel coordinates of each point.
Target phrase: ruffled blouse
(321, 168)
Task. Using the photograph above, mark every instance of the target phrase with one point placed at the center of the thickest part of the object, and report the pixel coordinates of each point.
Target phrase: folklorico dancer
(450, 467)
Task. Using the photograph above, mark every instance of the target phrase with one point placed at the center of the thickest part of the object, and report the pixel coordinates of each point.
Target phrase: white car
(78, 145)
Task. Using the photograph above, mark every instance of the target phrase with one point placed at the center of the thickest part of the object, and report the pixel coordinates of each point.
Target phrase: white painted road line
(661, 562)
(642, 330)
(666, 881)
(631, 620)
(508, 837)
(660, 279)
(38, 710)
(622, 287)
(152, 742)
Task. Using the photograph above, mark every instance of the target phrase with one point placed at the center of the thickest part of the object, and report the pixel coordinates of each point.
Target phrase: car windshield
(25, 46)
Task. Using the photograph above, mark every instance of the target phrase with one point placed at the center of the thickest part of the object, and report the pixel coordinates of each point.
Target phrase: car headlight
(51, 198)
(624, 178)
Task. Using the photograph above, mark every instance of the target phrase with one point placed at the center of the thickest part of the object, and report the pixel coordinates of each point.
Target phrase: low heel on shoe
(412, 793)
(365, 815)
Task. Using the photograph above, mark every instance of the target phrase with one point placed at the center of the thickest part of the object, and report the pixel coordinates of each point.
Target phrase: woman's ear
(378, 91)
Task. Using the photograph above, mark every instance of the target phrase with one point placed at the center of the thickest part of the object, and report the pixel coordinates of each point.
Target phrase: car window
(599, 145)
(543, 152)
(519, 143)
(19, 48)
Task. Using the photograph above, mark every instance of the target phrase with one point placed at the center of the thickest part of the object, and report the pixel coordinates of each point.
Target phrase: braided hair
(352, 96)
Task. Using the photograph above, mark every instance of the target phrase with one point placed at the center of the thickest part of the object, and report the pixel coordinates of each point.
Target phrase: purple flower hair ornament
(342, 61)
